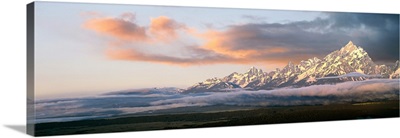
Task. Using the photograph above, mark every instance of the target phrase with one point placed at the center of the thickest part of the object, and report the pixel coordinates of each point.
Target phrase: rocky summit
(350, 63)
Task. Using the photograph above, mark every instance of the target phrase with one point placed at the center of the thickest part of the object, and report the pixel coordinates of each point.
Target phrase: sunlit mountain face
(350, 63)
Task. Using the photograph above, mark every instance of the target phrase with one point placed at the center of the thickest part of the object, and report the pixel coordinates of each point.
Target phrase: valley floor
(254, 116)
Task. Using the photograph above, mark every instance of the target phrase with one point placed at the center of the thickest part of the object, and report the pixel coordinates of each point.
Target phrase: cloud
(134, 96)
(133, 110)
(347, 92)
(254, 18)
(300, 40)
(378, 34)
(251, 43)
(207, 57)
(111, 105)
(123, 27)
(164, 28)
(128, 35)
(56, 110)
(268, 43)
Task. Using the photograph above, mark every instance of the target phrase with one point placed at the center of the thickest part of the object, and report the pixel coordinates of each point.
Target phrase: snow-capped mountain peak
(349, 63)
(212, 80)
(349, 47)
(290, 64)
(254, 71)
(243, 80)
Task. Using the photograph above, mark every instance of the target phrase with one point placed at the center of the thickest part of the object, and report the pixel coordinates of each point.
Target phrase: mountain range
(350, 63)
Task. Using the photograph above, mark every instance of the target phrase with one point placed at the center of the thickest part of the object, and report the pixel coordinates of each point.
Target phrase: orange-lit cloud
(238, 44)
(218, 42)
(122, 28)
(224, 43)
(200, 57)
(134, 55)
(161, 29)
(164, 28)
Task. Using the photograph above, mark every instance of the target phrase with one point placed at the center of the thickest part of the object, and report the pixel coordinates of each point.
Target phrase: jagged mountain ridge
(212, 85)
(244, 80)
(349, 59)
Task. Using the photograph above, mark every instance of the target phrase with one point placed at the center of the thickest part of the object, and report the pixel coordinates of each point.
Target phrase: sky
(87, 49)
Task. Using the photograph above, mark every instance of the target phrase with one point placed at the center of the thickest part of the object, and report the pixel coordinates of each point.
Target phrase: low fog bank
(110, 105)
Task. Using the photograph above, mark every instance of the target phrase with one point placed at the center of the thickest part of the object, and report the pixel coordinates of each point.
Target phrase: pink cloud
(235, 45)
(121, 28)
(164, 28)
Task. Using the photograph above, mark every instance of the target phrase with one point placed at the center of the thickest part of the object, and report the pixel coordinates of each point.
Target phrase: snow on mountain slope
(212, 85)
(396, 74)
(350, 63)
(348, 59)
(252, 76)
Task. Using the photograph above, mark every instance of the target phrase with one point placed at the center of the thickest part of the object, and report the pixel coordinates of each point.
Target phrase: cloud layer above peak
(248, 43)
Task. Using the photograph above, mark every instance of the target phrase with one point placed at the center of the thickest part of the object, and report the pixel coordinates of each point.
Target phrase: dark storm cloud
(382, 42)
(378, 34)
(294, 36)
